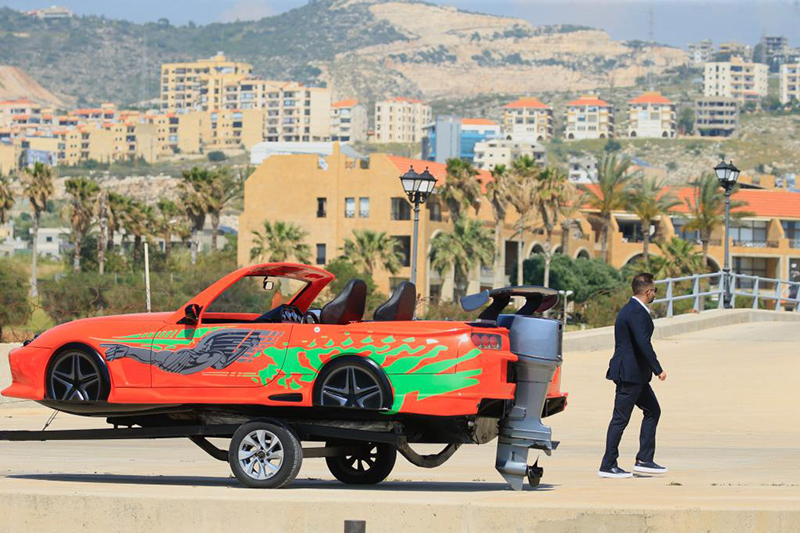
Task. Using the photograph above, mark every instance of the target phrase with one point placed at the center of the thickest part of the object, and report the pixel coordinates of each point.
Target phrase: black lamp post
(727, 174)
(418, 187)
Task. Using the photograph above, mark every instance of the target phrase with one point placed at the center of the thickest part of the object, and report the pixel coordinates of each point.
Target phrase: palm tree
(37, 182)
(370, 248)
(707, 209)
(553, 191)
(116, 211)
(523, 196)
(569, 212)
(136, 221)
(168, 222)
(280, 242)
(102, 222)
(224, 188)
(461, 190)
(498, 194)
(678, 258)
(80, 212)
(469, 245)
(195, 189)
(613, 179)
(6, 197)
(648, 199)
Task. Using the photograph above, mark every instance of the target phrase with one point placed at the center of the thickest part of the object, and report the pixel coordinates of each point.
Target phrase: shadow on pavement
(195, 481)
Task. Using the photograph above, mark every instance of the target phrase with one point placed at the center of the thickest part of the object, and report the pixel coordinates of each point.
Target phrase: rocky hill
(363, 48)
(16, 84)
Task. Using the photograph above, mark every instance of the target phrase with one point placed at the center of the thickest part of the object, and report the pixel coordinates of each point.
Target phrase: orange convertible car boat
(248, 359)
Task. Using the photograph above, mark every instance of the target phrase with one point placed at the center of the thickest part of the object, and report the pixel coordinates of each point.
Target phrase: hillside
(16, 84)
(363, 48)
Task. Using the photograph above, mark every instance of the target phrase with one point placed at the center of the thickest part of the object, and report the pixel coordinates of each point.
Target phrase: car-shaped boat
(249, 359)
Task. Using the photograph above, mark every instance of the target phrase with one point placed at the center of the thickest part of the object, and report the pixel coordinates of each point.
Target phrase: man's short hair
(641, 282)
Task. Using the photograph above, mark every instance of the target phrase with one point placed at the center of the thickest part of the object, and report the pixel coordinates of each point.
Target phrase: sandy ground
(729, 433)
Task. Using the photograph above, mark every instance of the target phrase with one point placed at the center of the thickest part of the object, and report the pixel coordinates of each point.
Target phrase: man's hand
(662, 376)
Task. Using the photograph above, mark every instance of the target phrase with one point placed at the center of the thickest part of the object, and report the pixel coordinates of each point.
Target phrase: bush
(448, 311)
(15, 309)
(612, 145)
(584, 277)
(216, 156)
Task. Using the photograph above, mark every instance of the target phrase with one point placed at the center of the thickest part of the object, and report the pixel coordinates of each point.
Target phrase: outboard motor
(537, 342)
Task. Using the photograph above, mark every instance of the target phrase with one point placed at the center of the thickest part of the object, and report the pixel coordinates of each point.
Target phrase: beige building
(789, 85)
(735, 79)
(716, 116)
(732, 48)
(349, 121)
(9, 158)
(701, 52)
(489, 154)
(651, 115)
(199, 84)
(401, 120)
(528, 119)
(588, 117)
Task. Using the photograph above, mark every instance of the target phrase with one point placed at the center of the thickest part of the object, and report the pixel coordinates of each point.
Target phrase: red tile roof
(404, 99)
(650, 97)
(760, 202)
(526, 102)
(439, 170)
(589, 100)
(478, 122)
(345, 103)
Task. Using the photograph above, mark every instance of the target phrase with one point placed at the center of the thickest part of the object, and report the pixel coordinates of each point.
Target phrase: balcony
(753, 243)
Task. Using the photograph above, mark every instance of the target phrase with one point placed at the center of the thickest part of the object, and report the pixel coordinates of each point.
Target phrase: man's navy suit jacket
(634, 359)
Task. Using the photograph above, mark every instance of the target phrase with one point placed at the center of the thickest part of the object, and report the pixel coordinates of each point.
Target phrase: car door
(212, 355)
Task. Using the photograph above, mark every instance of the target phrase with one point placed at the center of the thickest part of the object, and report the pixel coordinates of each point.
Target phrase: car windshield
(257, 294)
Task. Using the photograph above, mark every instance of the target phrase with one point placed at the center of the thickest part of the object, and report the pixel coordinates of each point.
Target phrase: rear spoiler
(537, 300)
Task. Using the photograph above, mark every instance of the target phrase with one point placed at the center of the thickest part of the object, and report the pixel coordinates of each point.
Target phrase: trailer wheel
(369, 465)
(264, 455)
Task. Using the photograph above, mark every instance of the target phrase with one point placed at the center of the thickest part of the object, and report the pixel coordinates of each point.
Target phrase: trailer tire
(265, 455)
(372, 463)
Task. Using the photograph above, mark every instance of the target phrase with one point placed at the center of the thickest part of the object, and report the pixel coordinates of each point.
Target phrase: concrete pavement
(728, 432)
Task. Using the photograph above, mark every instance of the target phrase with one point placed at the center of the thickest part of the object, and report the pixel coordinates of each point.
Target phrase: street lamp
(417, 187)
(727, 174)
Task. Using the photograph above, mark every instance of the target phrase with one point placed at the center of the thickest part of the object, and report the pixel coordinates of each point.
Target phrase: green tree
(648, 199)
(498, 193)
(469, 245)
(224, 189)
(611, 194)
(707, 209)
(612, 145)
(6, 197)
(279, 242)
(195, 191)
(678, 258)
(460, 190)
(37, 182)
(584, 277)
(686, 120)
(80, 213)
(344, 271)
(14, 305)
(523, 196)
(552, 193)
(368, 249)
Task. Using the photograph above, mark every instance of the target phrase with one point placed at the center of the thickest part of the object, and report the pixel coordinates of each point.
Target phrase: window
(434, 210)
(403, 248)
(748, 233)
(321, 258)
(401, 209)
(322, 207)
(48, 239)
(349, 208)
(248, 295)
(363, 207)
(749, 266)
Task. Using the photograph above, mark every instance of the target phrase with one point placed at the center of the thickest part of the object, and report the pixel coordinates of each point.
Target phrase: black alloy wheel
(369, 464)
(352, 385)
(76, 376)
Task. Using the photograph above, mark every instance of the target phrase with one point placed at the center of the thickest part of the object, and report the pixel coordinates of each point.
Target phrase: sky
(675, 22)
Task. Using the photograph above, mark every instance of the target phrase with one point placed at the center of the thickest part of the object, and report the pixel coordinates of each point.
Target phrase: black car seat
(348, 306)
(400, 305)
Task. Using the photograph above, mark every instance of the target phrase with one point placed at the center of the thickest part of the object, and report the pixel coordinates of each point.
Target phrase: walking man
(631, 368)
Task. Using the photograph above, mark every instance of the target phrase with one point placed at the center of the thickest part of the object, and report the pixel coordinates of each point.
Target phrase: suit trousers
(642, 396)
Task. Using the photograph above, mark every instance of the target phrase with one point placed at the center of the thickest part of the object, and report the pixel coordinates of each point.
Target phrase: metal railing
(760, 290)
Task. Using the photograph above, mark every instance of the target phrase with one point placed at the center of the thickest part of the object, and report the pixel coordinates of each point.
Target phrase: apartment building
(349, 121)
(651, 115)
(200, 84)
(528, 119)
(739, 79)
(401, 120)
(789, 85)
(732, 48)
(716, 116)
(451, 137)
(9, 157)
(489, 154)
(15, 111)
(700, 53)
(588, 117)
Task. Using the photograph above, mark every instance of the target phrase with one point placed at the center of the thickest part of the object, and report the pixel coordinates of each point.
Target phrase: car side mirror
(191, 314)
